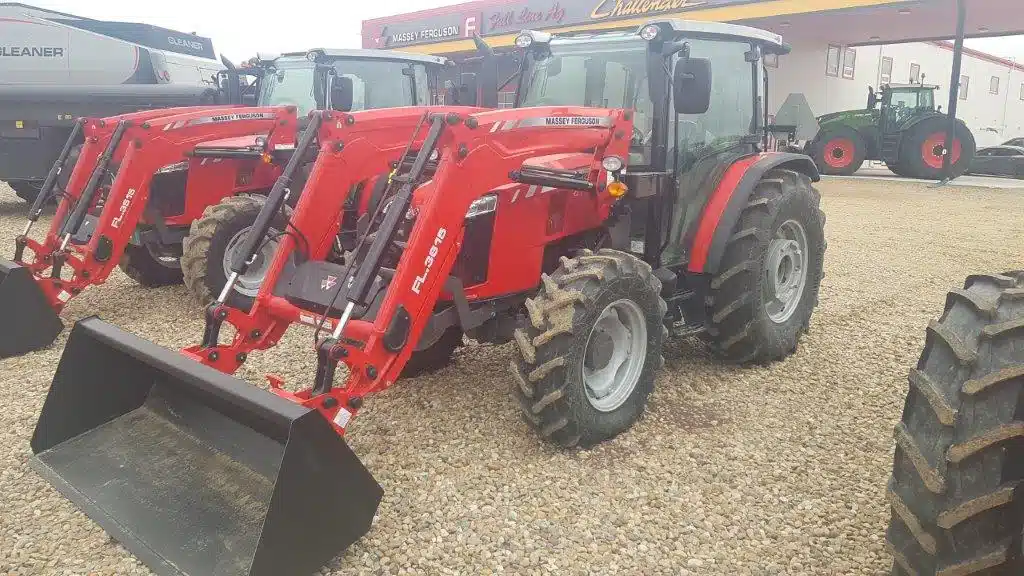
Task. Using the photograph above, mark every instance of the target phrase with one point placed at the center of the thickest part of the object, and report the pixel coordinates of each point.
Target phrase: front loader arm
(477, 153)
(143, 148)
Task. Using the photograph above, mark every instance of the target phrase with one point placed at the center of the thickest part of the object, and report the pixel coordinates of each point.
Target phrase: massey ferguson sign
(512, 16)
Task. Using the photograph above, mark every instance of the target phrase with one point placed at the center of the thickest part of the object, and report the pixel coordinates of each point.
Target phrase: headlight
(482, 205)
(650, 32)
(524, 40)
(176, 167)
(612, 163)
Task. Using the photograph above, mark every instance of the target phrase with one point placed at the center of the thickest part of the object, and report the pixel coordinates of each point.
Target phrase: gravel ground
(738, 471)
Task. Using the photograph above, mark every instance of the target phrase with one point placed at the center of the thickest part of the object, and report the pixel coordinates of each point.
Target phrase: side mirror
(341, 93)
(232, 85)
(691, 85)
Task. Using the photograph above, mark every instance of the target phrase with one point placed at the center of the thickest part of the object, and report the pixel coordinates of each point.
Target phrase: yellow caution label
(19, 124)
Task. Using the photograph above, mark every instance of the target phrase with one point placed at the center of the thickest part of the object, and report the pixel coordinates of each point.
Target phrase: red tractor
(627, 198)
(144, 185)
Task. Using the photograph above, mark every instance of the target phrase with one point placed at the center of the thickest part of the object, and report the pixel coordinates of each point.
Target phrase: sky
(240, 29)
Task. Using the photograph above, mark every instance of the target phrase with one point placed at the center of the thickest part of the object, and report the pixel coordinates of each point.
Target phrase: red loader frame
(478, 152)
(144, 142)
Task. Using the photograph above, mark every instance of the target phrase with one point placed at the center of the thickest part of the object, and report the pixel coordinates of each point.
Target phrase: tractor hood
(855, 118)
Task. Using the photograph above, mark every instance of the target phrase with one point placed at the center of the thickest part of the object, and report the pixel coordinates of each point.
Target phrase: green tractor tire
(839, 151)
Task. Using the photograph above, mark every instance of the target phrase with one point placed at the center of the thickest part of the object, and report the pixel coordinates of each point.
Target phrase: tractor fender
(730, 197)
(929, 117)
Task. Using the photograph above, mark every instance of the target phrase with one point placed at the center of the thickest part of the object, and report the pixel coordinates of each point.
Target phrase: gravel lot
(738, 471)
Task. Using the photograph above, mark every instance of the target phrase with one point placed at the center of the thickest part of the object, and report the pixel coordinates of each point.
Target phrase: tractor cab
(900, 102)
(348, 80)
(689, 124)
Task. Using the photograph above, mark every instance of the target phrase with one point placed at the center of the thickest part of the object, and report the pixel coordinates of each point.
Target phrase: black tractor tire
(27, 190)
(552, 344)
(204, 247)
(739, 326)
(146, 270)
(898, 169)
(825, 147)
(955, 492)
(912, 155)
(436, 356)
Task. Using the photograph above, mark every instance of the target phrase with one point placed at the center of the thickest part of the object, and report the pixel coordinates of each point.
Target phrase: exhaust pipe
(27, 321)
(193, 470)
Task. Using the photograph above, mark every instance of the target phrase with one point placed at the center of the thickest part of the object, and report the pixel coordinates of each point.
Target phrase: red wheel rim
(839, 152)
(931, 150)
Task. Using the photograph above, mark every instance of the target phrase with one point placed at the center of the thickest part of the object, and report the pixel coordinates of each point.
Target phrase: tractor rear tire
(839, 151)
(146, 270)
(742, 325)
(957, 469)
(583, 304)
(920, 152)
(203, 250)
(898, 169)
(435, 357)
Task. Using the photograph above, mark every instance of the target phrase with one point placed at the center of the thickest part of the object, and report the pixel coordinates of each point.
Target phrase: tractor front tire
(761, 300)
(434, 357)
(593, 311)
(220, 229)
(139, 264)
(921, 151)
(957, 469)
(839, 151)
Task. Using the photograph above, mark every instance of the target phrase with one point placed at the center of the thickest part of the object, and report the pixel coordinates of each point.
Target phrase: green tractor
(906, 132)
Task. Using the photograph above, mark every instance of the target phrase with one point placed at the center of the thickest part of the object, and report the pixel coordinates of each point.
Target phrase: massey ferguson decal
(328, 283)
(553, 121)
(428, 262)
(222, 118)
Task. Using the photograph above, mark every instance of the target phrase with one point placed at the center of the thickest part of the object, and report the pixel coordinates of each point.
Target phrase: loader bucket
(27, 321)
(193, 470)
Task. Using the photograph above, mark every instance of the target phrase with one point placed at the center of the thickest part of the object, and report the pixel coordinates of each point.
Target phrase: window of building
(832, 60)
(850, 63)
(885, 76)
(915, 73)
(1022, 91)
(993, 85)
(965, 85)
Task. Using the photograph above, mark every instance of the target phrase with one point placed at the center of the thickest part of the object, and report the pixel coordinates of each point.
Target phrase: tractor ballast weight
(195, 471)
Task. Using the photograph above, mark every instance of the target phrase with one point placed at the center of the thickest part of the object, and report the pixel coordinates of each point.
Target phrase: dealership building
(840, 47)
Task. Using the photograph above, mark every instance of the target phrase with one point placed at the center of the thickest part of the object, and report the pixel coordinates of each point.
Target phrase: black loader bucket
(27, 321)
(194, 471)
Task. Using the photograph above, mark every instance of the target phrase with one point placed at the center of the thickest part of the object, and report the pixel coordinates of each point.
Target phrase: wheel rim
(785, 271)
(248, 284)
(615, 354)
(934, 145)
(839, 152)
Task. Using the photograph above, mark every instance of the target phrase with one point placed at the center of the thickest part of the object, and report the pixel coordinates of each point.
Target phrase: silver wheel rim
(785, 271)
(614, 355)
(249, 283)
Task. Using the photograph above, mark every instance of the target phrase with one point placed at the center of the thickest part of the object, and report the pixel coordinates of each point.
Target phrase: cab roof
(769, 41)
(362, 54)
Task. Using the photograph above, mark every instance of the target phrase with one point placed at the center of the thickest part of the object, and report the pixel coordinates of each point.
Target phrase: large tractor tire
(839, 151)
(921, 151)
(148, 270)
(959, 460)
(213, 240)
(762, 299)
(589, 351)
(898, 169)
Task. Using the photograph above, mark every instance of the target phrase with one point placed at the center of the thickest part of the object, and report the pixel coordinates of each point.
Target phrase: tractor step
(891, 148)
